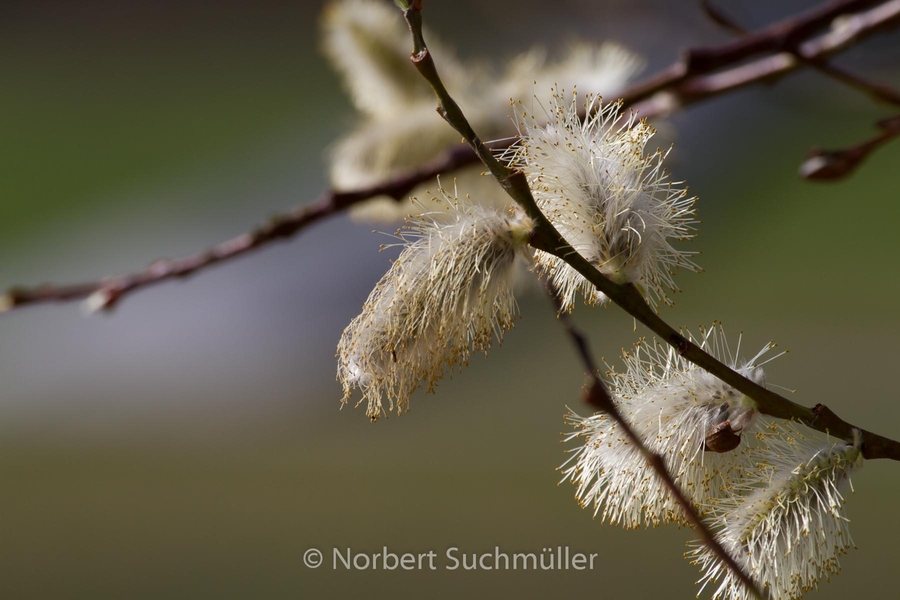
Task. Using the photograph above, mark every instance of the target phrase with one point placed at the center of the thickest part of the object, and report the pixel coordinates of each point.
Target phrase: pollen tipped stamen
(693, 420)
(609, 200)
(447, 295)
(784, 521)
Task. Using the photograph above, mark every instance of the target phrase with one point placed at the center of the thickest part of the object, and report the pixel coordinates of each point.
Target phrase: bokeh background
(190, 444)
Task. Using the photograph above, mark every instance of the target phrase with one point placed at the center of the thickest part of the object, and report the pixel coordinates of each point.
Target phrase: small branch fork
(597, 396)
(691, 79)
(877, 91)
(776, 38)
(700, 74)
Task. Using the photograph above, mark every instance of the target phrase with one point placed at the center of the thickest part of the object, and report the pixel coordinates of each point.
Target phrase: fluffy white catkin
(784, 521)
(448, 294)
(612, 203)
(674, 406)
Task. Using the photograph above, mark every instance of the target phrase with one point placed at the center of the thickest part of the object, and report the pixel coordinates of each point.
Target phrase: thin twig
(877, 91)
(106, 293)
(826, 165)
(773, 39)
(685, 82)
(697, 88)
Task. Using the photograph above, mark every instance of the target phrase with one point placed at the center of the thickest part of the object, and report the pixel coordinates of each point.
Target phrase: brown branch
(778, 37)
(597, 395)
(105, 293)
(548, 239)
(684, 82)
(774, 38)
(877, 91)
(697, 88)
(826, 165)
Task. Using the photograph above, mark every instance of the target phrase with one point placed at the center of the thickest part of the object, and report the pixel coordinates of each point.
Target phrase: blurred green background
(191, 444)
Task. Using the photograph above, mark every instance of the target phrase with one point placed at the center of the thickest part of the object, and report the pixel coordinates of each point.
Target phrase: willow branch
(687, 81)
(773, 39)
(104, 294)
(881, 92)
(597, 396)
(516, 185)
(548, 239)
(690, 90)
(824, 165)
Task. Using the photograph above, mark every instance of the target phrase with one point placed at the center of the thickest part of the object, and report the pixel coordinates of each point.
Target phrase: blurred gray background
(190, 444)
